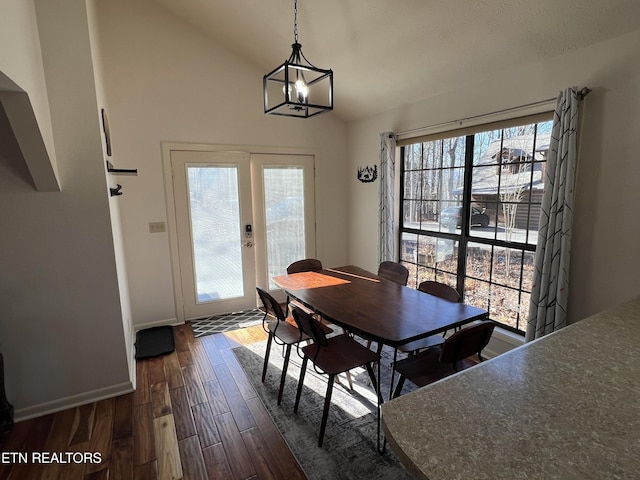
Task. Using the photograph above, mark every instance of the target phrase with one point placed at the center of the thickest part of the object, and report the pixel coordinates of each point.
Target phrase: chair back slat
(310, 326)
(306, 265)
(394, 272)
(441, 290)
(467, 342)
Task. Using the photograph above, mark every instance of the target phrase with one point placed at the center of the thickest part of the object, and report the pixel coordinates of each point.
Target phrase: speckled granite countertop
(564, 407)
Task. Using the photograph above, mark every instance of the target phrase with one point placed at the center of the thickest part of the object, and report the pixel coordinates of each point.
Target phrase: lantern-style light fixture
(297, 88)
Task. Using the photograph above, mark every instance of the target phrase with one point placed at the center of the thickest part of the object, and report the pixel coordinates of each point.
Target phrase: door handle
(248, 244)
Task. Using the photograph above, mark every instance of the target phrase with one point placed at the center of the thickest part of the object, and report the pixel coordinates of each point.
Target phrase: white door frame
(167, 148)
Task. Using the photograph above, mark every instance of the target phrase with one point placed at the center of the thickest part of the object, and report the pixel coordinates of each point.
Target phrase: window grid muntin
(414, 265)
(466, 236)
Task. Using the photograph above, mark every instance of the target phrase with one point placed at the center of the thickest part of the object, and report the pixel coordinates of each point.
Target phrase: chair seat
(286, 332)
(342, 353)
(422, 344)
(425, 367)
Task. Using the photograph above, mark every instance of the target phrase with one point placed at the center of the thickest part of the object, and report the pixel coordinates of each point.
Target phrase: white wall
(21, 60)
(61, 329)
(606, 260)
(114, 204)
(165, 82)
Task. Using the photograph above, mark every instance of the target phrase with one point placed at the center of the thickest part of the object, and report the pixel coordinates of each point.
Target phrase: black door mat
(155, 341)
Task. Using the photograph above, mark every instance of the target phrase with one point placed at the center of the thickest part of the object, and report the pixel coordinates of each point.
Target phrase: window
(470, 210)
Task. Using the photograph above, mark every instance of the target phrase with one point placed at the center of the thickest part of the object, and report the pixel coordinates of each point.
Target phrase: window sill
(501, 342)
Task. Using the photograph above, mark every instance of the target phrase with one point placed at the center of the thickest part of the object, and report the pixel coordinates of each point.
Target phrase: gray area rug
(349, 450)
(226, 322)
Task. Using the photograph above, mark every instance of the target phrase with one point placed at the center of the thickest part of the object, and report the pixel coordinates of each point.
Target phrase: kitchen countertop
(566, 406)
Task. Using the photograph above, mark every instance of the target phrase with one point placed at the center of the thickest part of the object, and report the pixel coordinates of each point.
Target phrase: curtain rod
(581, 94)
(584, 91)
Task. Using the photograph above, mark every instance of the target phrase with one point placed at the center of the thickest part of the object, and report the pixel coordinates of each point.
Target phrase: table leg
(381, 449)
(393, 372)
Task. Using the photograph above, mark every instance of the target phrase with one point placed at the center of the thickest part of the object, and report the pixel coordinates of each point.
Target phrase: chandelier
(297, 88)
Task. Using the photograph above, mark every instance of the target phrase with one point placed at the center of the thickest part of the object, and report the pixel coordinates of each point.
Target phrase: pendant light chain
(295, 21)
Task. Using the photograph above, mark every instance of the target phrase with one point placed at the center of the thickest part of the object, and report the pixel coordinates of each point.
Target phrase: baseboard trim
(73, 401)
(157, 323)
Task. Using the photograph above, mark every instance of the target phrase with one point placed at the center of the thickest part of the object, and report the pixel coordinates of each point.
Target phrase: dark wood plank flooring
(194, 415)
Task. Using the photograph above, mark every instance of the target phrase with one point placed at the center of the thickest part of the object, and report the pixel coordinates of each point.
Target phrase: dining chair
(330, 356)
(436, 289)
(300, 266)
(393, 271)
(280, 331)
(439, 289)
(434, 364)
(305, 265)
(312, 265)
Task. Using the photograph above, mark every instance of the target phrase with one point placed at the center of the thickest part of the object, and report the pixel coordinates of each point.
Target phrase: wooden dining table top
(375, 308)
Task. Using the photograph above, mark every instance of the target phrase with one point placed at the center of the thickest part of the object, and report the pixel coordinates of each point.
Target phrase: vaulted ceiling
(386, 53)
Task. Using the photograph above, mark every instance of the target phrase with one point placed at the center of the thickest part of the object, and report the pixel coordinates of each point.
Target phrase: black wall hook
(115, 192)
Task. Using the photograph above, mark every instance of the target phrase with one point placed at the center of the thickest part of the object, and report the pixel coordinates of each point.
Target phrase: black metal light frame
(282, 93)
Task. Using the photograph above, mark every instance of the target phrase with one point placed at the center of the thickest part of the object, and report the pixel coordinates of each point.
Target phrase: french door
(240, 219)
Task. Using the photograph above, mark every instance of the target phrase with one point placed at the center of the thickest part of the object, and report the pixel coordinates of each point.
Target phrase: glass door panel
(284, 208)
(284, 217)
(212, 201)
(214, 208)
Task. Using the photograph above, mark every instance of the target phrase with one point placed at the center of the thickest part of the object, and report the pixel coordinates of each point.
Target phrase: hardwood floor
(194, 415)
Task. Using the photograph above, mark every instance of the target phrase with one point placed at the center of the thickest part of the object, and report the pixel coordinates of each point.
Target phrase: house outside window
(470, 212)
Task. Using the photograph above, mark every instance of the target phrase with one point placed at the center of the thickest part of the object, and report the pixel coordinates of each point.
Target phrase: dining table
(375, 309)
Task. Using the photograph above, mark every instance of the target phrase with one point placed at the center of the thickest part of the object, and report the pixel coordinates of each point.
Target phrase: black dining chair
(280, 331)
(434, 364)
(394, 271)
(329, 356)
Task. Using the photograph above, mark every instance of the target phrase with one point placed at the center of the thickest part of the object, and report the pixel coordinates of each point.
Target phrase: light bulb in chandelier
(302, 90)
